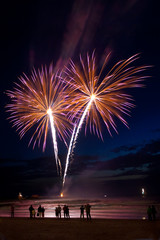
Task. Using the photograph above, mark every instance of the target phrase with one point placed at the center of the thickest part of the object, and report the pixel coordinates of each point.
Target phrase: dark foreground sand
(77, 229)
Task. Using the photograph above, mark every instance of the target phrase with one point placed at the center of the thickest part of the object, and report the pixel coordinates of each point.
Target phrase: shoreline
(103, 209)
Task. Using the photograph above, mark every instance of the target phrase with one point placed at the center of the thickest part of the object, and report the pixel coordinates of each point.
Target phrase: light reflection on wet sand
(104, 209)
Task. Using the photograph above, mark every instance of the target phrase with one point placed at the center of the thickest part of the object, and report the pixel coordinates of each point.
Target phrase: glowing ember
(20, 196)
(61, 195)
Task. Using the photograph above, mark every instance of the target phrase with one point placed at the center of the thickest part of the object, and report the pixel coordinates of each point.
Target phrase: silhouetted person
(12, 210)
(30, 210)
(149, 213)
(64, 211)
(82, 211)
(33, 213)
(59, 211)
(67, 212)
(42, 210)
(56, 212)
(88, 210)
(153, 212)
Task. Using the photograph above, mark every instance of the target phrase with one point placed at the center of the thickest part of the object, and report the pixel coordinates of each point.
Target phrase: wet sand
(100, 209)
(78, 229)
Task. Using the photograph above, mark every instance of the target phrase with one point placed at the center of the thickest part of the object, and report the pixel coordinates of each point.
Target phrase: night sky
(35, 33)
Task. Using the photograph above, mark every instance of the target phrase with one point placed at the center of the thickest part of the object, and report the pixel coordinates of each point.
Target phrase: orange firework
(35, 100)
(105, 93)
(97, 96)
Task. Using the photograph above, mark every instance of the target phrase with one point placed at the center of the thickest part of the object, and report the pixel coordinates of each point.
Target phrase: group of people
(65, 211)
(83, 208)
(40, 211)
(88, 211)
(151, 212)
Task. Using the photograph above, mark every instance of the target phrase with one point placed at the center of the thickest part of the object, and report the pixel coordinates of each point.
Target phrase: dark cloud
(125, 148)
(135, 170)
(153, 147)
(39, 176)
(145, 157)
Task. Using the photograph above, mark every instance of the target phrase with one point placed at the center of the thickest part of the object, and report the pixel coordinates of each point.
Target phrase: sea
(105, 208)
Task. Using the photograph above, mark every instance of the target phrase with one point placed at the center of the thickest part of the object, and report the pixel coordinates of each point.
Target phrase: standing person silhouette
(33, 213)
(64, 211)
(56, 212)
(30, 210)
(67, 212)
(153, 212)
(88, 210)
(42, 210)
(59, 211)
(82, 211)
(149, 213)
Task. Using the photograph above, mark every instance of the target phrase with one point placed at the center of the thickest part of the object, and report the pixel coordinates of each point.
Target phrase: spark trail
(53, 130)
(75, 135)
(70, 150)
(100, 98)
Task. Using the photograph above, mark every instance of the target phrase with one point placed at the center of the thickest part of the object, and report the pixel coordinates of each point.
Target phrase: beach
(111, 219)
(100, 209)
(97, 229)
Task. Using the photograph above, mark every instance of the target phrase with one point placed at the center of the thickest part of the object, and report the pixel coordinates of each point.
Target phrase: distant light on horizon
(143, 191)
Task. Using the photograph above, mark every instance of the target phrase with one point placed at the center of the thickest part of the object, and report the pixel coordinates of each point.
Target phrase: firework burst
(40, 101)
(100, 97)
